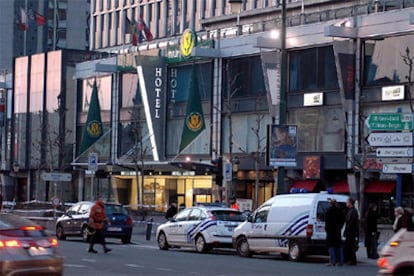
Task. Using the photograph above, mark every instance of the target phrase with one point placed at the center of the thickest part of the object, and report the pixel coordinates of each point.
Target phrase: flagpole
(25, 31)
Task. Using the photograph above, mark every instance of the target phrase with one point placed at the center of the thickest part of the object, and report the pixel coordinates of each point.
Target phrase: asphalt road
(143, 257)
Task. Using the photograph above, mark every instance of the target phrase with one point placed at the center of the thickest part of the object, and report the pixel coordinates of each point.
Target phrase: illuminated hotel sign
(312, 99)
(152, 75)
(391, 93)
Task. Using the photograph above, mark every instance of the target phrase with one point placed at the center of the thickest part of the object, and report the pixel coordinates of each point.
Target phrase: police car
(200, 227)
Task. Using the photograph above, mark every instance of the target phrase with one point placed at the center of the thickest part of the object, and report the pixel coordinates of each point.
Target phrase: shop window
(319, 130)
(384, 60)
(312, 70)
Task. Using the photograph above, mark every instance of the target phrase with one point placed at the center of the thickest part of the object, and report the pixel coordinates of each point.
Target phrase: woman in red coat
(97, 218)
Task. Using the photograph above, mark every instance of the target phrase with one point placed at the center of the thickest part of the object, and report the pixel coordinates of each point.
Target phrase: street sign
(57, 177)
(395, 160)
(394, 152)
(390, 121)
(390, 139)
(93, 161)
(397, 168)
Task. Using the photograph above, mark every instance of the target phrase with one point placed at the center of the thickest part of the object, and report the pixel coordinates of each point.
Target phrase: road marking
(89, 260)
(163, 269)
(74, 265)
(135, 265)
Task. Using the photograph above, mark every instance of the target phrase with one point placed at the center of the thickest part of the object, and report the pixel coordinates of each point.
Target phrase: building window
(245, 77)
(319, 129)
(312, 70)
(384, 62)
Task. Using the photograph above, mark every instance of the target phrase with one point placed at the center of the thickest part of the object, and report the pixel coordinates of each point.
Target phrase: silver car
(396, 256)
(26, 248)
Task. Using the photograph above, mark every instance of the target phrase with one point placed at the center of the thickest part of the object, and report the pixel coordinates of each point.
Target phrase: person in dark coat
(172, 210)
(401, 219)
(334, 221)
(371, 232)
(351, 233)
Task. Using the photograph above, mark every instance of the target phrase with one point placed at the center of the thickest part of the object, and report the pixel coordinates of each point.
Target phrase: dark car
(75, 222)
(26, 248)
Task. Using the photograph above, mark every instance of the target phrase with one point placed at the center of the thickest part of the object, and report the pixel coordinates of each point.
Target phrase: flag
(142, 27)
(40, 19)
(194, 120)
(131, 28)
(93, 129)
(24, 26)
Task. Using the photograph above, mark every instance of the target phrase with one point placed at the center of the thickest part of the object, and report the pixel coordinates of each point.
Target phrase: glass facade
(385, 62)
(20, 108)
(312, 70)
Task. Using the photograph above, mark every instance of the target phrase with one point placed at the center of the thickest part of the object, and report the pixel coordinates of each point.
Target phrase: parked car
(396, 257)
(26, 248)
(75, 222)
(292, 225)
(200, 227)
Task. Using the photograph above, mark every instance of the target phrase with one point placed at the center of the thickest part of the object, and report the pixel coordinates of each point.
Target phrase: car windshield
(228, 215)
(115, 209)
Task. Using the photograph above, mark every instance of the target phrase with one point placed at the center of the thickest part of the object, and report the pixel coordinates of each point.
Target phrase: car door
(82, 216)
(67, 221)
(173, 228)
(259, 234)
(188, 229)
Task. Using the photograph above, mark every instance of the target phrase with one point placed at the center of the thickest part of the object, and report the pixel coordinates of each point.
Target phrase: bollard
(149, 229)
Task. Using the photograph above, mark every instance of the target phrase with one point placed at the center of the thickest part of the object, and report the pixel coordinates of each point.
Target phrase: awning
(308, 185)
(341, 187)
(380, 187)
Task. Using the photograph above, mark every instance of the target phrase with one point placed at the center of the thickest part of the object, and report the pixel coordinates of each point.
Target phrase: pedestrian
(334, 221)
(97, 220)
(233, 203)
(351, 233)
(401, 219)
(172, 210)
(371, 231)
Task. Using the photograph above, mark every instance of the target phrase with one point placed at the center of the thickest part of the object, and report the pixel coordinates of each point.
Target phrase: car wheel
(85, 234)
(295, 253)
(59, 233)
(200, 244)
(242, 247)
(126, 240)
(162, 241)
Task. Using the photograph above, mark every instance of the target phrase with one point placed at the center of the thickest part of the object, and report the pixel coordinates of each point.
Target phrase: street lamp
(235, 169)
(109, 169)
(235, 7)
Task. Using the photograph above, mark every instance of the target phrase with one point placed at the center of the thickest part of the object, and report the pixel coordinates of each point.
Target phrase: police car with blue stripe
(292, 225)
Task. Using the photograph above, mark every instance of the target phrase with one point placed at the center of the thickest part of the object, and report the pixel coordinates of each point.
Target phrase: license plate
(39, 251)
(115, 229)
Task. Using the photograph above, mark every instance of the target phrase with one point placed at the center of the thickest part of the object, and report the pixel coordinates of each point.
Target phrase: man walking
(351, 233)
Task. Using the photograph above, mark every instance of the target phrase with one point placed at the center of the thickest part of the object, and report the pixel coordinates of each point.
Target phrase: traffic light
(218, 164)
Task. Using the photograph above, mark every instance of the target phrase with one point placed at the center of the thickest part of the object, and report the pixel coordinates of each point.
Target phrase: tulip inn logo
(194, 121)
(94, 129)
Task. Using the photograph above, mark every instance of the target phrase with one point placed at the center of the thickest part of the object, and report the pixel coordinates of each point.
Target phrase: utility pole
(283, 83)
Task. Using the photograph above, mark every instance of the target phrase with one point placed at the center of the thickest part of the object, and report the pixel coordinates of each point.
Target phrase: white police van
(291, 224)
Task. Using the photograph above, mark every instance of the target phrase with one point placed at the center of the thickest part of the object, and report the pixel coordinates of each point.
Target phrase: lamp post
(16, 169)
(235, 169)
(235, 6)
(283, 83)
(109, 168)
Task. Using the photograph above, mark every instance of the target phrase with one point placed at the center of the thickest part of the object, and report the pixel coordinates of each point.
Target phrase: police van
(291, 224)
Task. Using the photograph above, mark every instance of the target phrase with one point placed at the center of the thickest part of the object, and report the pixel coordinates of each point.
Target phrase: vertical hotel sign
(151, 80)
